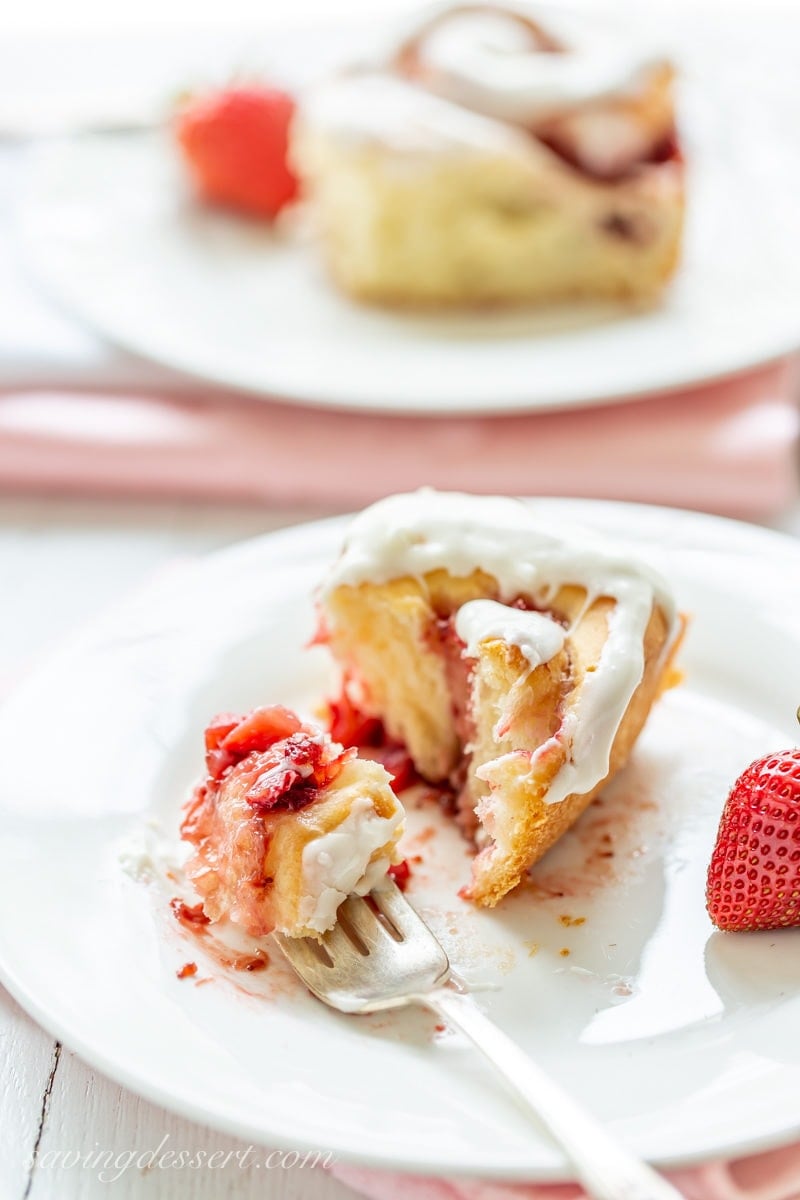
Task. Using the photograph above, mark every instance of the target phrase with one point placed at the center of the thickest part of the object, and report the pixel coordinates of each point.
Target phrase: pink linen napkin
(728, 447)
(771, 1176)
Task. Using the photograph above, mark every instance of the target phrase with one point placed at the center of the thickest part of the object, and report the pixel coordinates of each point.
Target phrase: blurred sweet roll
(497, 154)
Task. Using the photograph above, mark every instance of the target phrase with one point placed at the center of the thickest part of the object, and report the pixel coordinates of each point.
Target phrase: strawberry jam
(352, 727)
(280, 763)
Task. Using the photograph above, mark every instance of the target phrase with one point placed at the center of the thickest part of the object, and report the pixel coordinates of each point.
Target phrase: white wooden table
(61, 563)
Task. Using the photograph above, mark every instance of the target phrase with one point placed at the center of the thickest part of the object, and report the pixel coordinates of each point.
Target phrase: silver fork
(382, 955)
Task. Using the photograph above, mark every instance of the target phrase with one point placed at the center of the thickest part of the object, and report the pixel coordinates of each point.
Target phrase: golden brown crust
(539, 825)
(488, 231)
(381, 634)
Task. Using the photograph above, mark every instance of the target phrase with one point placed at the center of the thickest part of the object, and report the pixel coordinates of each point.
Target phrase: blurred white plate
(682, 1039)
(112, 231)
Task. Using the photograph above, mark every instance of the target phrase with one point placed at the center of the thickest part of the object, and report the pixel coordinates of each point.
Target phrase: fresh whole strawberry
(754, 876)
(236, 143)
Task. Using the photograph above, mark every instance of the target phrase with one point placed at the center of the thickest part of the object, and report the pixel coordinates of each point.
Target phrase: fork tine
(337, 943)
(303, 952)
(369, 968)
(304, 955)
(360, 916)
(394, 906)
(415, 970)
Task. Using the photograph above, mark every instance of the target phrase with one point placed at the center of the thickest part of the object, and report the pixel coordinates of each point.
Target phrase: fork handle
(606, 1169)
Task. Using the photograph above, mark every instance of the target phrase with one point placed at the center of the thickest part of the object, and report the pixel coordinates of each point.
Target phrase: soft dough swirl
(596, 96)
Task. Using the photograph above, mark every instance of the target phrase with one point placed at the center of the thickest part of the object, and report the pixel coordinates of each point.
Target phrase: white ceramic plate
(684, 1040)
(112, 232)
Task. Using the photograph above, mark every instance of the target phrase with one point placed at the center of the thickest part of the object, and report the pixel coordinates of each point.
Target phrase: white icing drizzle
(410, 535)
(491, 62)
(591, 726)
(378, 108)
(538, 637)
(484, 84)
(338, 864)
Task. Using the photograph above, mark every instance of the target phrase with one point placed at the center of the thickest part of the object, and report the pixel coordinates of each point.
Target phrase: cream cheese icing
(538, 637)
(378, 108)
(483, 83)
(340, 863)
(410, 535)
(492, 62)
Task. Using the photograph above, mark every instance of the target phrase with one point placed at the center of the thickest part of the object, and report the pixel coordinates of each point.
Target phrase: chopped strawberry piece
(399, 764)
(351, 727)
(754, 875)
(216, 732)
(289, 775)
(322, 634)
(276, 788)
(279, 763)
(235, 143)
(218, 729)
(190, 915)
(195, 812)
(268, 765)
(251, 962)
(229, 737)
(401, 873)
(260, 729)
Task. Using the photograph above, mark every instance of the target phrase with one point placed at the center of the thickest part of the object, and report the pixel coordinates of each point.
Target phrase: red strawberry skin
(754, 876)
(235, 143)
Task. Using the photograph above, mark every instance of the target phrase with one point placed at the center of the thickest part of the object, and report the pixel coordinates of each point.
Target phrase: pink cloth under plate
(727, 447)
(774, 1175)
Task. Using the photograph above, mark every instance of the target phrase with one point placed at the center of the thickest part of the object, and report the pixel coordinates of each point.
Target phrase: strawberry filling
(289, 775)
(230, 738)
(401, 873)
(665, 149)
(260, 767)
(276, 762)
(444, 640)
(559, 133)
(191, 916)
(352, 727)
